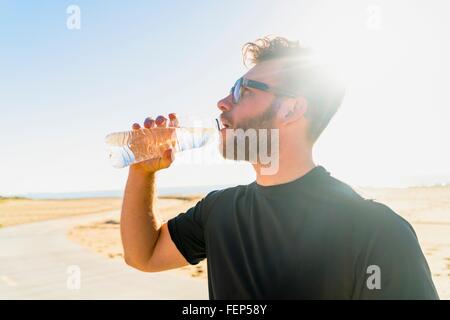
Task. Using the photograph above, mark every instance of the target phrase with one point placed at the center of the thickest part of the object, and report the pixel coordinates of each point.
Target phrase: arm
(146, 242)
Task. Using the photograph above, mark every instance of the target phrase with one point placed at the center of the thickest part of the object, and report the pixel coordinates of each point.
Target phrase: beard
(253, 137)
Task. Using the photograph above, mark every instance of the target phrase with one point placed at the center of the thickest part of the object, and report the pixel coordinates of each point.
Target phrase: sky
(62, 90)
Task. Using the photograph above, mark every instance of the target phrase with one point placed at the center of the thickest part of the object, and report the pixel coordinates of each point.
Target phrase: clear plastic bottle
(129, 147)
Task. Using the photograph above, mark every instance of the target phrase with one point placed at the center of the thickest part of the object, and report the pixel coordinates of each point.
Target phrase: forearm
(139, 224)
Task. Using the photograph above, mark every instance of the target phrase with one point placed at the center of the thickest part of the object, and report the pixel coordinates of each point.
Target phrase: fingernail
(160, 120)
(148, 121)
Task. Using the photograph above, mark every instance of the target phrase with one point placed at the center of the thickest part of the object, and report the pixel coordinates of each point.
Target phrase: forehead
(266, 71)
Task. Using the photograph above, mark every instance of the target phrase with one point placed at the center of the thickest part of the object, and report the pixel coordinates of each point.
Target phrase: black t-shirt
(312, 238)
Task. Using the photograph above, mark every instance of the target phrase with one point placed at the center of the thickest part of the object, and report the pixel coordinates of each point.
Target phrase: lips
(226, 124)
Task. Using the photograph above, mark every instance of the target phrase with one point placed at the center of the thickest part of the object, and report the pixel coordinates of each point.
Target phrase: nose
(225, 104)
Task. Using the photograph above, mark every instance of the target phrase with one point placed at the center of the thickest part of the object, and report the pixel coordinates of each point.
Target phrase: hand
(153, 165)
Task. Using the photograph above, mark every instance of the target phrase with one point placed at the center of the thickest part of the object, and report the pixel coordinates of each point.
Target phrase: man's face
(256, 109)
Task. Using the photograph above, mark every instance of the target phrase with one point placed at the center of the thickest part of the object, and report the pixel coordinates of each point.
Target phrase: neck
(293, 164)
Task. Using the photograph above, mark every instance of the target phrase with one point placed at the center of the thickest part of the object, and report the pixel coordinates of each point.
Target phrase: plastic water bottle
(129, 147)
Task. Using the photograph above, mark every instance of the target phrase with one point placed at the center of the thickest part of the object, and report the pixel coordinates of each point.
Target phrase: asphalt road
(38, 261)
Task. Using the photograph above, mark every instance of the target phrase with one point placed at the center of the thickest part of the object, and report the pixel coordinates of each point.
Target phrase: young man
(297, 233)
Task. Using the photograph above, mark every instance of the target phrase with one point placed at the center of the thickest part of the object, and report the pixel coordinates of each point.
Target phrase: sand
(18, 211)
(103, 237)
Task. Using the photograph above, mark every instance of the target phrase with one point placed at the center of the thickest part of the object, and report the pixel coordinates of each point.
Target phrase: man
(297, 233)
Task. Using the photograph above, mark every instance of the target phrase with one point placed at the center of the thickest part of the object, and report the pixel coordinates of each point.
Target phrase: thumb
(167, 158)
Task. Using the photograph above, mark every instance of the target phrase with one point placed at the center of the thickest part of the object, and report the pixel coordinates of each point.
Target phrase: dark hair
(302, 75)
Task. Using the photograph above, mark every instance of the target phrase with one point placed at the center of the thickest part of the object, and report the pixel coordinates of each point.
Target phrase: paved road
(36, 260)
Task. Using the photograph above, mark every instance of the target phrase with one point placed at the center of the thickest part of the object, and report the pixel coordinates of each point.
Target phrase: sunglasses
(237, 90)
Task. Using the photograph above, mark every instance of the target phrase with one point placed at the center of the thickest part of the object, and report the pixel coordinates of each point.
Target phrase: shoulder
(379, 231)
(333, 191)
(224, 195)
(384, 222)
(380, 220)
(365, 213)
(220, 198)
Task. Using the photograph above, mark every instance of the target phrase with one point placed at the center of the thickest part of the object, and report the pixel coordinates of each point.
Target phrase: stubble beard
(253, 136)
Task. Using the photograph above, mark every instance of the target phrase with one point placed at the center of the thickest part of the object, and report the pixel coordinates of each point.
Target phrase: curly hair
(268, 48)
(300, 73)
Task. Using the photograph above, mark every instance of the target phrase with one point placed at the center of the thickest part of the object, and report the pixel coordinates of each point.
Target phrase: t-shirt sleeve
(393, 265)
(187, 231)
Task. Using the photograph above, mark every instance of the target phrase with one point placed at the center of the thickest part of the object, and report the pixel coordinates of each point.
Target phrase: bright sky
(62, 91)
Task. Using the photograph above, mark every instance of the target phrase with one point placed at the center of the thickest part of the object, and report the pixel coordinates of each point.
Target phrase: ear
(292, 110)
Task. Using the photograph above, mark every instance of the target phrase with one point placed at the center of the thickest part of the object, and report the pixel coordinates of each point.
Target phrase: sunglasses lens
(237, 91)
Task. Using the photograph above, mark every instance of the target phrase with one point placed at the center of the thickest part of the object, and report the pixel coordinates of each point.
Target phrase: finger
(135, 126)
(161, 121)
(169, 156)
(173, 120)
(149, 122)
(166, 160)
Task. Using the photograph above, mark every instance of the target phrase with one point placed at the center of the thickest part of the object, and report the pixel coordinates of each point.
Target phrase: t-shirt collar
(308, 179)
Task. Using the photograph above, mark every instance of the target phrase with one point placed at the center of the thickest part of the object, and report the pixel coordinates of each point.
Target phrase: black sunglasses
(236, 90)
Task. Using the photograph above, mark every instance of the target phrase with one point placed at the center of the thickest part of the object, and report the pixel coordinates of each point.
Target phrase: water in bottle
(129, 147)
